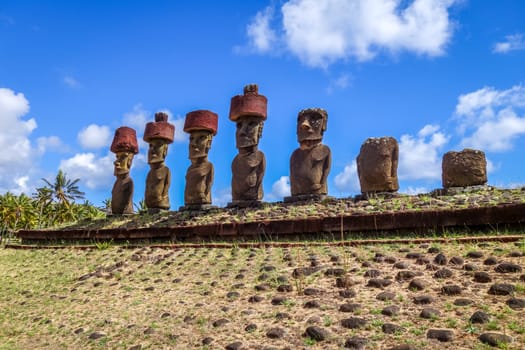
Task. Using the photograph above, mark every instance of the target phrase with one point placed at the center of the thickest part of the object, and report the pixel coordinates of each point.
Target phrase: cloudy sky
(438, 75)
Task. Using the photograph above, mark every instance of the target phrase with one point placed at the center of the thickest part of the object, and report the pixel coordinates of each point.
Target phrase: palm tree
(64, 191)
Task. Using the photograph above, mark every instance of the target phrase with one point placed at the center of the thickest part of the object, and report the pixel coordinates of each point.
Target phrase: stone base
(152, 211)
(245, 204)
(387, 195)
(460, 190)
(198, 207)
(118, 215)
(307, 198)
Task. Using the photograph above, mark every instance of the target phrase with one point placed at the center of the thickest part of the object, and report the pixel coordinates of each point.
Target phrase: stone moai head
(248, 111)
(311, 125)
(202, 126)
(377, 165)
(124, 146)
(159, 134)
(465, 168)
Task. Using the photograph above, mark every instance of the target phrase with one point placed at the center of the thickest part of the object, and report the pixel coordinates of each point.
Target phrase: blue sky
(438, 75)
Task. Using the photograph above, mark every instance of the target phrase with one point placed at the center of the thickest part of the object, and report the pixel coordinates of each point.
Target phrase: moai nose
(305, 125)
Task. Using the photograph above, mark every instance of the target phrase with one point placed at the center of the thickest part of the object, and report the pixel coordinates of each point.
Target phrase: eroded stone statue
(202, 126)
(159, 134)
(248, 111)
(465, 168)
(377, 165)
(310, 163)
(124, 146)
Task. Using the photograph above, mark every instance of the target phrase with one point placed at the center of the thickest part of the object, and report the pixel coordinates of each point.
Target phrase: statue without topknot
(377, 165)
(202, 126)
(310, 163)
(248, 111)
(159, 134)
(124, 146)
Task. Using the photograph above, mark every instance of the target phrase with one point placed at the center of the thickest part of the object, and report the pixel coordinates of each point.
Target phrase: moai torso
(309, 168)
(248, 170)
(157, 186)
(199, 178)
(122, 196)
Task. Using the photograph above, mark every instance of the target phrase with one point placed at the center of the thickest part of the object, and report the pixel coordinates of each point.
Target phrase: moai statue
(377, 165)
(159, 134)
(202, 126)
(249, 112)
(124, 146)
(310, 163)
(465, 168)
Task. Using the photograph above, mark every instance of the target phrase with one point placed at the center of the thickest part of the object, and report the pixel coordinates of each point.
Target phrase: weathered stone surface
(495, 339)
(356, 343)
(220, 322)
(515, 303)
(350, 307)
(405, 275)
(384, 296)
(479, 317)
(158, 134)
(377, 165)
(201, 125)
(440, 259)
(390, 328)
(235, 346)
(502, 289)
(390, 310)
(97, 335)
(482, 277)
(429, 313)
(465, 168)
(451, 289)
(378, 283)
(443, 335)
(443, 273)
(275, 333)
(248, 111)
(353, 322)
(491, 260)
(423, 299)
(317, 333)
(463, 302)
(417, 284)
(311, 162)
(508, 268)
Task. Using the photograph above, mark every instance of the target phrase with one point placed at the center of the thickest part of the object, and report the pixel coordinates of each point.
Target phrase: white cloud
(347, 181)
(322, 32)
(94, 137)
(93, 172)
(280, 189)
(414, 190)
(511, 43)
(338, 83)
(222, 197)
(50, 143)
(71, 82)
(262, 37)
(18, 156)
(491, 119)
(137, 118)
(419, 157)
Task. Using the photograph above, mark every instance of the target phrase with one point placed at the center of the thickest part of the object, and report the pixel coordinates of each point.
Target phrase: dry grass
(153, 298)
